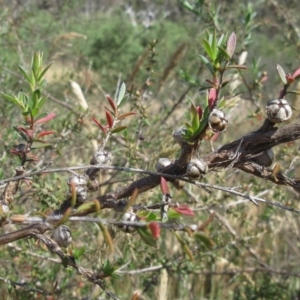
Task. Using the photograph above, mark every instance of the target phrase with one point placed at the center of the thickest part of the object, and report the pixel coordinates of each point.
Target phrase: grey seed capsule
(217, 120)
(278, 110)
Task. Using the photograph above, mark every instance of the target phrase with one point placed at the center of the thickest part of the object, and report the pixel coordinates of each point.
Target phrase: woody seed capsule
(162, 163)
(196, 167)
(217, 120)
(278, 110)
(62, 236)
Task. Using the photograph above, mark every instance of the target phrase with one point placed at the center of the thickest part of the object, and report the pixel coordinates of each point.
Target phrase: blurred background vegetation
(99, 44)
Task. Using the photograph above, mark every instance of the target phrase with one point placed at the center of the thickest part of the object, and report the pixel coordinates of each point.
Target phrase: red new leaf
(28, 132)
(200, 112)
(45, 119)
(109, 119)
(112, 103)
(155, 229)
(183, 209)
(43, 133)
(212, 97)
(164, 186)
(123, 116)
(100, 126)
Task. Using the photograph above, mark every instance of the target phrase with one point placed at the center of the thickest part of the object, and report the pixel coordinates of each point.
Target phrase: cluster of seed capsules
(277, 111)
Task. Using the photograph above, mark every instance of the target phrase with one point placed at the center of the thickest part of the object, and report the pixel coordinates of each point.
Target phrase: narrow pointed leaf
(296, 74)
(164, 186)
(118, 129)
(13, 99)
(45, 119)
(112, 103)
(184, 209)
(109, 119)
(223, 53)
(100, 126)
(24, 73)
(107, 237)
(44, 71)
(43, 133)
(204, 239)
(147, 236)
(212, 97)
(123, 116)
(64, 218)
(207, 222)
(281, 74)
(87, 206)
(208, 48)
(208, 64)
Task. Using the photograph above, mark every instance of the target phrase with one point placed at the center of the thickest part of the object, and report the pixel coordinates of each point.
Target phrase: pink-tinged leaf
(164, 186)
(264, 78)
(199, 111)
(43, 133)
(281, 74)
(212, 97)
(109, 119)
(231, 44)
(28, 132)
(112, 103)
(45, 119)
(184, 209)
(296, 74)
(121, 117)
(100, 126)
(154, 229)
(215, 136)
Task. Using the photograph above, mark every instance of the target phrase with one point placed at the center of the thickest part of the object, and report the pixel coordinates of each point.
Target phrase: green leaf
(21, 133)
(204, 120)
(13, 99)
(44, 71)
(86, 206)
(208, 48)
(187, 5)
(208, 64)
(281, 73)
(77, 252)
(121, 94)
(203, 88)
(118, 129)
(204, 240)
(221, 40)
(25, 75)
(195, 118)
(214, 46)
(35, 64)
(147, 236)
(222, 54)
